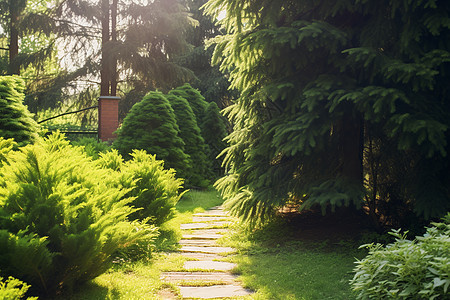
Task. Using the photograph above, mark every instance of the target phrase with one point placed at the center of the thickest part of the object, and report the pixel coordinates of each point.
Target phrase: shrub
(92, 146)
(62, 217)
(154, 189)
(13, 289)
(417, 269)
(15, 119)
(194, 98)
(194, 144)
(151, 125)
(6, 146)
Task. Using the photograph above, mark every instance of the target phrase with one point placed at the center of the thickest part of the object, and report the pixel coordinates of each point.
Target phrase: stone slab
(202, 225)
(201, 256)
(200, 276)
(197, 242)
(196, 219)
(204, 236)
(213, 250)
(215, 291)
(209, 231)
(210, 265)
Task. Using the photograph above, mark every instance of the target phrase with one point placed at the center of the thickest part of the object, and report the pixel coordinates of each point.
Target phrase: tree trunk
(14, 67)
(105, 72)
(113, 54)
(352, 148)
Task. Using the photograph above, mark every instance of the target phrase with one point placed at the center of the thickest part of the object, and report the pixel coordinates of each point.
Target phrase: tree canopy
(343, 103)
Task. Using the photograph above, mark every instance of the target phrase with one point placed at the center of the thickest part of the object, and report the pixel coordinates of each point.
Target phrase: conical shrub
(195, 145)
(151, 125)
(15, 120)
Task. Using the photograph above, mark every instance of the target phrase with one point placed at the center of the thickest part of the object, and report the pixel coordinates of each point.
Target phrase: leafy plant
(63, 218)
(13, 289)
(194, 144)
(92, 146)
(15, 119)
(151, 125)
(154, 189)
(407, 269)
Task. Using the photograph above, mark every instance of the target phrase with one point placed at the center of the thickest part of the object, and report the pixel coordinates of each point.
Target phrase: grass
(279, 261)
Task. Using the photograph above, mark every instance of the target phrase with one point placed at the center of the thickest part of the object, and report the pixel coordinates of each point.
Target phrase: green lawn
(275, 261)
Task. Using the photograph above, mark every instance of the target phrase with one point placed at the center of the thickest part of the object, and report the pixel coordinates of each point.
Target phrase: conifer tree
(214, 132)
(194, 98)
(15, 119)
(332, 92)
(151, 125)
(194, 144)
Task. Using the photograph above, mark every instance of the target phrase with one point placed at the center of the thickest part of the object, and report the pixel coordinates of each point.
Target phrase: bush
(194, 98)
(15, 119)
(13, 289)
(151, 125)
(154, 189)
(418, 269)
(62, 217)
(92, 146)
(194, 144)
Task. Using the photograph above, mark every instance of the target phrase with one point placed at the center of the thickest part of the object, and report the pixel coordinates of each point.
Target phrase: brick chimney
(108, 117)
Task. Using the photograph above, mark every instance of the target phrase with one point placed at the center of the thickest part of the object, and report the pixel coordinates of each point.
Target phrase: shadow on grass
(282, 261)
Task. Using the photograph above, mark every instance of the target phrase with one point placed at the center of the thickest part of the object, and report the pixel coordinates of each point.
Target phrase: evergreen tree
(331, 93)
(151, 125)
(15, 119)
(194, 98)
(194, 144)
(214, 133)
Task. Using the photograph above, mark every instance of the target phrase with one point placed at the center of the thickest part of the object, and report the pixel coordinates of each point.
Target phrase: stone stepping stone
(197, 219)
(210, 265)
(202, 225)
(213, 250)
(215, 291)
(198, 276)
(197, 242)
(201, 256)
(205, 236)
(220, 231)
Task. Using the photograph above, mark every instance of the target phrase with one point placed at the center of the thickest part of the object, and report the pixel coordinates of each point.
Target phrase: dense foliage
(15, 119)
(151, 125)
(343, 103)
(155, 191)
(214, 132)
(13, 289)
(62, 218)
(194, 144)
(417, 269)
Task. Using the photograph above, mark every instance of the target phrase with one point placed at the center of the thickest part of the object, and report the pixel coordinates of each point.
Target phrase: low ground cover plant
(62, 218)
(407, 269)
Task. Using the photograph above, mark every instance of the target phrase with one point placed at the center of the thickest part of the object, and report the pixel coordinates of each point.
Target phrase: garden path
(207, 275)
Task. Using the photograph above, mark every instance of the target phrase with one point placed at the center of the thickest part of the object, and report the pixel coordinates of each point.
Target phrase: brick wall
(108, 117)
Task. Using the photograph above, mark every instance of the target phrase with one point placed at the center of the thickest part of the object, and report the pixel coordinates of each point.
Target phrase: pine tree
(214, 131)
(15, 119)
(321, 84)
(194, 144)
(151, 125)
(194, 98)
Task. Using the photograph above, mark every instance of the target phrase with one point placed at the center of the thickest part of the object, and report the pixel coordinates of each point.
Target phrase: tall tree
(331, 93)
(143, 37)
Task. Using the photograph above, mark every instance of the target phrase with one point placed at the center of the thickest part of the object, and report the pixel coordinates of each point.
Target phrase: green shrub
(155, 190)
(15, 119)
(63, 218)
(13, 289)
(194, 144)
(417, 269)
(6, 146)
(151, 125)
(92, 146)
(194, 98)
